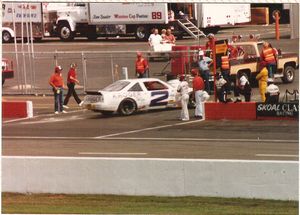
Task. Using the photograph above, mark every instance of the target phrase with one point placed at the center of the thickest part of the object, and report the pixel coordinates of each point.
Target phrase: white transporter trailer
(213, 16)
(103, 19)
(13, 13)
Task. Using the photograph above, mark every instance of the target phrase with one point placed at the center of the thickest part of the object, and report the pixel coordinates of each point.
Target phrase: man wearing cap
(243, 87)
(183, 89)
(272, 92)
(141, 66)
(57, 83)
(204, 64)
(71, 81)
(210, 43)
(200, 94)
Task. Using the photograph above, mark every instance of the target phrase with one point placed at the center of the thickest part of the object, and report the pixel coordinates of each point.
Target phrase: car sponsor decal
(158, 101)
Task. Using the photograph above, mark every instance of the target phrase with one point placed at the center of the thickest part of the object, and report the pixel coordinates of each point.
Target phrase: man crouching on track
(183, 89)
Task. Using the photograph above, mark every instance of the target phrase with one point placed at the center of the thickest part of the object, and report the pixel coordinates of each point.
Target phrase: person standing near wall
(225, 71)
(204, 64)
(141, 66)
(71, 82)
(57, 83)
(262, 78)
(200, 94)
(183, 89)
(269, 55)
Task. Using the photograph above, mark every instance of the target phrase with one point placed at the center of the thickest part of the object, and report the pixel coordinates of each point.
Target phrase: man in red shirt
(210, 43)
(71, 81)
(56, 81)
(141, 66)
(200, 94)
(169, 38)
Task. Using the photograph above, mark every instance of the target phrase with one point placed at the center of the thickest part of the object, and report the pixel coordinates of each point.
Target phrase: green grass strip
(112, 204)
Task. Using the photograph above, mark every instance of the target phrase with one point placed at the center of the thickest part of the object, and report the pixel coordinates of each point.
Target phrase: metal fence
(95, 69)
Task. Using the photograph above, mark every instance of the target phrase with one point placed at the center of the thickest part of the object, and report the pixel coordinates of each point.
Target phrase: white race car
(131, 95)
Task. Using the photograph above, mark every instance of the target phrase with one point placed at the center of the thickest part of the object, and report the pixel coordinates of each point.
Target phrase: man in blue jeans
(204, 64)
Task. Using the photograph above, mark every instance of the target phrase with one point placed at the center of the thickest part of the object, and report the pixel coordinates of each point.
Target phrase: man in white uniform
(272, 92)
(155, 39)
(183, 89)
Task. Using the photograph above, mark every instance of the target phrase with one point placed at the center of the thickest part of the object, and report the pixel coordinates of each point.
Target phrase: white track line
(275, 155)
(147, 159)
(147, 129)
(38, 116)
(149, 138)
(200, 139)
(110, 153)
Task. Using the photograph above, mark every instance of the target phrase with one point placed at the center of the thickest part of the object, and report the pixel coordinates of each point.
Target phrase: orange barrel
(179, 59)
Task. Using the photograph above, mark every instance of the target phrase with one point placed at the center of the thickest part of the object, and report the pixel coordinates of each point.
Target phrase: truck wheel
(65, 33)
(6, 37)
(127, 107)
(288, 74)
(141, 33)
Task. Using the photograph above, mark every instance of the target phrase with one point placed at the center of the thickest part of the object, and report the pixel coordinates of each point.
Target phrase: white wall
(162, 177)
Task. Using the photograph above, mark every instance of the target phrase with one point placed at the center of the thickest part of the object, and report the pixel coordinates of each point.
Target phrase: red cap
(58, 68)
(194, 72)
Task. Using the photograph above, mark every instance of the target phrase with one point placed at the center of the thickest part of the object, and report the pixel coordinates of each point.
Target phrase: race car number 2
(158, 101)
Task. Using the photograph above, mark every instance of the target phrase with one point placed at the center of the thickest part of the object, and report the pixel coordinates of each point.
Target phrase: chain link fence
(95, 69)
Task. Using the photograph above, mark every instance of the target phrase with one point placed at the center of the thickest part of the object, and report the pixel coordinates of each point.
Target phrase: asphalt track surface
(153, 134)
(150, 134)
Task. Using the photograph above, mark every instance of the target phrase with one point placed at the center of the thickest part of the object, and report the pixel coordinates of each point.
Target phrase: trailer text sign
(29, 12)
(277, 110)
(128, 13)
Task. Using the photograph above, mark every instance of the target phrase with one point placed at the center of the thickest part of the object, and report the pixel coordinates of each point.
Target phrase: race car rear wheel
(127, 107)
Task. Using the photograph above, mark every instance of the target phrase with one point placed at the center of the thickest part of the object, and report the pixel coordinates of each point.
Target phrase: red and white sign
(128, 13)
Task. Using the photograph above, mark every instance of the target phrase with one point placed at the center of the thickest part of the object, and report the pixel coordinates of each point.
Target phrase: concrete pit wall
(158, 177)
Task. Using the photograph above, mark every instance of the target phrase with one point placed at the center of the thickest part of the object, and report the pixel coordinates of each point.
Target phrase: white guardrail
(158, 177)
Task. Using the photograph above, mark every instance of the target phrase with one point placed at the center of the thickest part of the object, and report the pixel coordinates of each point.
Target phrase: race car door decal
(158, 101)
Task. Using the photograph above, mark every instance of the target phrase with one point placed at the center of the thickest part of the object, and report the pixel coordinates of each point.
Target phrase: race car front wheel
(127, 107)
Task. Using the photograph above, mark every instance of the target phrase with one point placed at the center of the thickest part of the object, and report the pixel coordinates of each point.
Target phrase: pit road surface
(153, 134)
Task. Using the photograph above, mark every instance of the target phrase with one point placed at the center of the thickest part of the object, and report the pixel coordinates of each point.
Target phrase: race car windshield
(117, 86)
